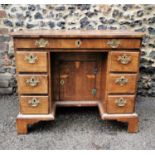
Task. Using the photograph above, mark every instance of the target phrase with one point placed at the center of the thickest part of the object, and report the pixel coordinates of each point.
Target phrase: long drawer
(77, 43)
(34, 104)
(32, 84)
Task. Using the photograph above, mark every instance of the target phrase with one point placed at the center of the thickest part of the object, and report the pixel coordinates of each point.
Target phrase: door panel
(67, 80)
(77, 79)
(87, 80)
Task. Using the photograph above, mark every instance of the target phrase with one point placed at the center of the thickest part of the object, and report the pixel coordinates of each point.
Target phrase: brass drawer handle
(34, 102)
(41, 43)
(113, 43)
(32, 81)
(124, 59)
(78, 43)
(121, 81)
(31, 58)
(121, 102)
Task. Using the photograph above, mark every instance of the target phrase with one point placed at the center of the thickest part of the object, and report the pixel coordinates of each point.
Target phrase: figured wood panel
(40, 88)
(79, 80)
(27, 108)
(129, 87)
(78, 33)
(72, 43)
(117, 66)
(77, 77)
(86, 55)
(89, 80)
(40, 65)
(113, 108)
(67, 81)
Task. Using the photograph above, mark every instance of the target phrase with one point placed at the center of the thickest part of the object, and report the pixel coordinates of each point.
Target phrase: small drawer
(124, 61)
(120, 104)
(34, 104)
(27, 61)
(122, 83)
(75, 43)
(32, 84)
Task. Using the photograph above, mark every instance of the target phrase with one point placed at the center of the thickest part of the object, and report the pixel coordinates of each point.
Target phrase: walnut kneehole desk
(77, 68)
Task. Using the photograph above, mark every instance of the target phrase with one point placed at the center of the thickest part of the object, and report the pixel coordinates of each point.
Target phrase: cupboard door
(78, 80)
(77, 77)
(86, 81)
(67, 79)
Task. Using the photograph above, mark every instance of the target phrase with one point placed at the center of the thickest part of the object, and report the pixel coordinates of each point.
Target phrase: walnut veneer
(77, 68)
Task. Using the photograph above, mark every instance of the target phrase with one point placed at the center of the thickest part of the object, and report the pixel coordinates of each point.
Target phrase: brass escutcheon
(41, 43)
(121, 102)
(121, 81)
(124, 59)
(34, 102)
(62, 82)
(94, 91)
(31, 58)
(113, 43)
(32, 81)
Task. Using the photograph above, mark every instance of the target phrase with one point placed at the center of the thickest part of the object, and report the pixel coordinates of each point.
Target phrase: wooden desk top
(77, 34)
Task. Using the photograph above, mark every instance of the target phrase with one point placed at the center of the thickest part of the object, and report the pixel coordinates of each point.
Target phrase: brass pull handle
(34, 102)
(41, 43)
(124, 59)
(113, 43)
(121, 81)
(32, 81)
(121, 102)
(78, 43)
(31, 58)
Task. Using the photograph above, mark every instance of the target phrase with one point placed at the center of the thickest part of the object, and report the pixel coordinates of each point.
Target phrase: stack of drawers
(32, 75)
(121, 81)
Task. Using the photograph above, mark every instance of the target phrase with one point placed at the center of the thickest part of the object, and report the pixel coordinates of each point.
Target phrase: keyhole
(34, 100)
(78, 43)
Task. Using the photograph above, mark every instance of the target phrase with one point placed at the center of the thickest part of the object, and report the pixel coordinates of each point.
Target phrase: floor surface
(77, 128)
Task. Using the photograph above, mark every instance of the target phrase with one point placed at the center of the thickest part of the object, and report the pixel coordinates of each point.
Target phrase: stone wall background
(131, 17)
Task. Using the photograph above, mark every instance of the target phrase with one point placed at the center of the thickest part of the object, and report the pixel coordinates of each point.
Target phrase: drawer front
(122, 83)
(119, 104)
(34, 104)
(124, 61)
(77, 43)
(33, 84)
(31, 61)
